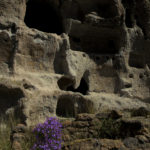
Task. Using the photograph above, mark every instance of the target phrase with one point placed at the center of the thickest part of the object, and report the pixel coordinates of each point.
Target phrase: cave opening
(9, 98)
(128, 19)
(83, 87)
(96, 45)
(65, 82)
(42, 15)
(111, 48)
(104, 10)
(136, 60)
(65, 107)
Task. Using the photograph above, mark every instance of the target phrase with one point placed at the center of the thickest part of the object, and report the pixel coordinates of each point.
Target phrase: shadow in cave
(9, 98)
(83, 87)
(43, 16)
(95, 46)
(128, 19)
(129, 6)
(136, 60)
(65, 107)
(110, 50)
(69, 106)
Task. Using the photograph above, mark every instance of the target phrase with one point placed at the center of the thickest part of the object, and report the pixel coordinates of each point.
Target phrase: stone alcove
(70, 105)
(44, 16)
(67, 84)
(9, 99)
(65, 107)
(82, 88)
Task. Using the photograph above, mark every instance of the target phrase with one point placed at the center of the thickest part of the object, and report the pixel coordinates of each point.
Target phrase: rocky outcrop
(104, 131)
(65, 57)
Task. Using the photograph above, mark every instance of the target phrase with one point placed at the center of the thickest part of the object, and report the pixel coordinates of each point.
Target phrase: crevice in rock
(12, 56)
(129, 6)
(139, 24)
(43, 16)
(128, 19)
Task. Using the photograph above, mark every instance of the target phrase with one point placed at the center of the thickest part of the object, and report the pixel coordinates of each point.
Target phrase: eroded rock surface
(65, 57)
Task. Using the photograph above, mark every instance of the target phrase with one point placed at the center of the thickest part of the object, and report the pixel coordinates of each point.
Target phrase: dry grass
(28, 141)
(6, 126)
(5, 138)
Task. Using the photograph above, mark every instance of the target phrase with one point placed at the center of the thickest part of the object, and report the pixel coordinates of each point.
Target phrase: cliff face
(65, 57)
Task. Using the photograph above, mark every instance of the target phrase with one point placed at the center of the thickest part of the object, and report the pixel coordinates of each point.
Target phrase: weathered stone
(85, 117)
(20, 128)
(69, 58)
(18, 137)
(131, 142)
(16, 146)
(80, 124)
(66, 123)
(91, 144)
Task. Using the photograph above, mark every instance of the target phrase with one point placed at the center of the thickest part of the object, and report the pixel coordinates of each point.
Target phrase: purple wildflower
(48, 135)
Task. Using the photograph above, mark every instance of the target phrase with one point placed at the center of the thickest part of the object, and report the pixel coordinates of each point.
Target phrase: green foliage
(109, 128)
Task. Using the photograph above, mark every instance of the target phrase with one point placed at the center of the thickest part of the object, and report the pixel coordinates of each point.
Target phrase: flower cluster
(48, 135)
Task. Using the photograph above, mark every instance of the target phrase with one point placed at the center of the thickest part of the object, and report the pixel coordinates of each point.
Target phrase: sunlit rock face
(65, 57)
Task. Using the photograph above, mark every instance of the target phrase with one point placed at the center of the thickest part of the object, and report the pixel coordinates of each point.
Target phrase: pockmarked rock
(72, 58)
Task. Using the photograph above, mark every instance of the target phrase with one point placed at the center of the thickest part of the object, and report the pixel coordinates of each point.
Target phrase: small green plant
(109, 128)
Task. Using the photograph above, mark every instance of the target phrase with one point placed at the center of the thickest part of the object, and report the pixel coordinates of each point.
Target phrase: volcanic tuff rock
(65, 57)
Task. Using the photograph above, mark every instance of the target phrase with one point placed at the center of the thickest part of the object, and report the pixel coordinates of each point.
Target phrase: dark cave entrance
(136, 60)
(65, 107)
(129, 6)
(83, 87)
(111, 48)
(9, 98)
(42, 15)
(96, 44)
(105, 10)
(70, 105)
(129, 18)
(67, 84)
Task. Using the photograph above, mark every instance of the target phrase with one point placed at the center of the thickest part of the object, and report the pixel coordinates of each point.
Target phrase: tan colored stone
(100, 63)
